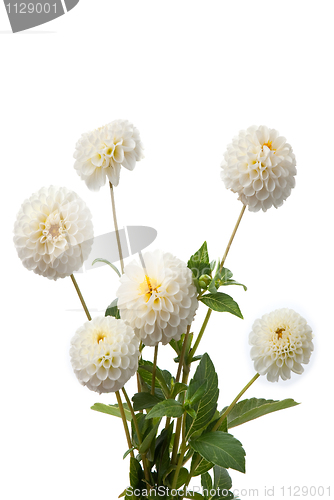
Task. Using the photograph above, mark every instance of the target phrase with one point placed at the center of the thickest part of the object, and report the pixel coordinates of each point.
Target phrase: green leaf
(144, 427)
(249, 409)
(167, 408)
(149, 438)
(136, 473)
(109, 264)
(221, 449)
(160, 376)
(144, 400)
(177, 388)
(128, 452)
(182, 478)
(223, 278)
(206, 482)
(162, 456)
(112, 410)
(212, 288)
(222, 478)
(199, 263)
(112, 310)
(196, 391)
(206, 407)
(202, 467)
(221, 302)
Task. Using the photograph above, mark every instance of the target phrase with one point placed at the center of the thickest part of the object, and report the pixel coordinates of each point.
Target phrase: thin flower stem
(125, 425)
(116, 227)
(232, 237)
(234, 402)
(199, 336)
(208, 314)
(74, 281)
(178, 425)
(184, 448)
(135, 422)
(154, 371)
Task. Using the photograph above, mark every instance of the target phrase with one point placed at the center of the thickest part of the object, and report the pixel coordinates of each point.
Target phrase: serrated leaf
(221, 302)
(112, 310)
(206, 407)
(199, 263)
(144, 400)
(167, 408)
(112, 410)
(249, 409)
(221, 449)
(109, 264)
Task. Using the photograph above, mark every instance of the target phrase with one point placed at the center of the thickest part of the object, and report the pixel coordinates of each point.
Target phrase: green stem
(234, 402)
(125, 425)
(154, 371)
(184, 448)
(232, 236)
(116, 227)
(182, 355)
(208, 314)
(199, 336)
(135, 422)
(76, 286)
(178, 424)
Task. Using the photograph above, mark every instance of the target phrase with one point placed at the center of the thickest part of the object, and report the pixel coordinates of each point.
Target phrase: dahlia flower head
(53, 232)
(260, 166)
(158, 299)
(101, 153)
(281, 341)
(104, 354)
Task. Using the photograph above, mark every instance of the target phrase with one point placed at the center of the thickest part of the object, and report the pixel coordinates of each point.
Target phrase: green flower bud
(204, 281)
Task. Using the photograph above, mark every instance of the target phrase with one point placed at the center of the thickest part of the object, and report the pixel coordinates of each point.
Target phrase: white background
(189, 75)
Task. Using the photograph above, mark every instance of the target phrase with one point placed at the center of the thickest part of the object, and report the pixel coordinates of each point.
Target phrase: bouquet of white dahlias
(173, 427)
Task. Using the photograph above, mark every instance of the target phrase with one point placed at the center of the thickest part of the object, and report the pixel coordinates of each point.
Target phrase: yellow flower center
(100, 336)
(148, 286)
(269, 146)
(279, 332)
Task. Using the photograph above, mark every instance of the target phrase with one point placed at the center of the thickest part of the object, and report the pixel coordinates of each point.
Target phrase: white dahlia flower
(159, 300)
(104, 354)
(260, 166)
(281, 341)
(53, 232)
(99, 154)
